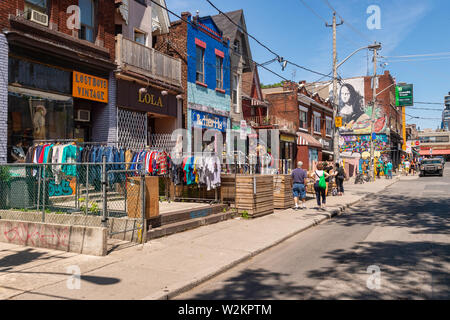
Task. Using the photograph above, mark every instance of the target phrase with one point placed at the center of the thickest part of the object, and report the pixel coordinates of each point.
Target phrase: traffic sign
(338, 122)
(404, 95)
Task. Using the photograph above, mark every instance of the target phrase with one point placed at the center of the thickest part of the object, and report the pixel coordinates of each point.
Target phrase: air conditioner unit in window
(38, 17)
(83, 115)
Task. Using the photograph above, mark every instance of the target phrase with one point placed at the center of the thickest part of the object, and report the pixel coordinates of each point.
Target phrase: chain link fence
(78, 194)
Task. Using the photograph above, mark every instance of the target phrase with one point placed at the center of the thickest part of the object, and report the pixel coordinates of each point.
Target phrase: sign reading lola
(89, 87)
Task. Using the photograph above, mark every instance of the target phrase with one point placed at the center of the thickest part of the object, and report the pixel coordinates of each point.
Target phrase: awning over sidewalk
(435, 152)
(304, 139)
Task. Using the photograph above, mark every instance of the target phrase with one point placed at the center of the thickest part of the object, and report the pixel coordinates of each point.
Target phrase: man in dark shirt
(299, 177)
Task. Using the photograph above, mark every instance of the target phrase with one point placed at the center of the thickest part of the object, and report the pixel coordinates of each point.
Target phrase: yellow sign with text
(89, 87)
(338, 122)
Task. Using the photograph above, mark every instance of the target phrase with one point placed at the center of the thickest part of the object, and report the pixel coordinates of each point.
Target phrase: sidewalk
(164, 267)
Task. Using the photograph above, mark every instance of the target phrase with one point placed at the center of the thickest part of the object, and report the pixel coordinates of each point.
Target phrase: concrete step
(181, 226)
(183, 215)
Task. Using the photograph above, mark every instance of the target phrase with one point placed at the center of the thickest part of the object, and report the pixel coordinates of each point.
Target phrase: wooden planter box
(254, 194)
(282, 192)
(151, 197)
(227, 188)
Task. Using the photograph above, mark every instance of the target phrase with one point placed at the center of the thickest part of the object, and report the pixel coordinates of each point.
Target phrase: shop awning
(435, 152)
(304, 139)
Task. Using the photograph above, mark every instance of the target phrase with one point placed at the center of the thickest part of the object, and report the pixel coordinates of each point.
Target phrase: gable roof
(231, 30)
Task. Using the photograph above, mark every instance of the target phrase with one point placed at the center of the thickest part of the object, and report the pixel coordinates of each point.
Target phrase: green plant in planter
(245, 215)
(95, 209)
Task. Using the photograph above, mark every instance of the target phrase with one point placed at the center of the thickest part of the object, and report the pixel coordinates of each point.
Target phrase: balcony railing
(135, 57)
(281, 123)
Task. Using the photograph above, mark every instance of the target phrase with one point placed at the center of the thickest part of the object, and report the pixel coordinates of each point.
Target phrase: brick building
(149, 83)
(205, 74)
(307, 122)
(53, 74)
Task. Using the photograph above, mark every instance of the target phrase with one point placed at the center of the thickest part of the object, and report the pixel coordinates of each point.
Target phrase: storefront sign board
(86, 86)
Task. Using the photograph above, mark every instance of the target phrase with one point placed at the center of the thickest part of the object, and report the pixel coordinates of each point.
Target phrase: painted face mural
(355, 113)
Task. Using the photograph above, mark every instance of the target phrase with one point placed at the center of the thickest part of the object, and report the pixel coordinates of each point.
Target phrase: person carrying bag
(320, 185)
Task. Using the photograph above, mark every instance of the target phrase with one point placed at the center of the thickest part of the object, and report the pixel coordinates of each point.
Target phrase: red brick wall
(284, 105)
(385, 80)
(58, 19)
(303, 156)
(174, 44)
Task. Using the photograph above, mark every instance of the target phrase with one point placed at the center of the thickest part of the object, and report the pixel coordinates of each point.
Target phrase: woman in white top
(320, 193)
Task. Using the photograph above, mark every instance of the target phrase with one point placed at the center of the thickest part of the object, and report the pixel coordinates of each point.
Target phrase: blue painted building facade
(208, 99)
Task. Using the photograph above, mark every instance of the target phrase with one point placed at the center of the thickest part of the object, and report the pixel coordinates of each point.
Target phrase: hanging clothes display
(197, 170)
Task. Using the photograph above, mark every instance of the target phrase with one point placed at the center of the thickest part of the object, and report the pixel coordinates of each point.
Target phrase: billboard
(354, 109)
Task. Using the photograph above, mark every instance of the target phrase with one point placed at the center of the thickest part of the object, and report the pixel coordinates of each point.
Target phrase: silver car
(431, 166)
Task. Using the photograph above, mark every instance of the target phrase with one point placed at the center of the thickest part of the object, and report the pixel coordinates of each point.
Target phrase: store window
(303, 120)
(200, 56)
(317, 125)
(219, 72)
(32, 117)
(87, 20)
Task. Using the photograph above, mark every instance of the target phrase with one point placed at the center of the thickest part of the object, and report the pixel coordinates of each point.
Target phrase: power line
(270, 50)
(190, 23)
(420, 55)
(417, 60)
(313, 11)
(439, 103)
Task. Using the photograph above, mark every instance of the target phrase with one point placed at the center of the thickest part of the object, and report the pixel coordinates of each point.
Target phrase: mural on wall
(361, 143)
(355, 112)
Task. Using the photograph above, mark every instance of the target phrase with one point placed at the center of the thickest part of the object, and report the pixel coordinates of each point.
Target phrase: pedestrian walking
(378, 169)
(299, 177)
(406, 165)
(340, 177)
(389, 169)
(320, 185)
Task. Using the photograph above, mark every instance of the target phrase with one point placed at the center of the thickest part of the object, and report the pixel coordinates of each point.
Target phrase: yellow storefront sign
(338, 122)
(89, 87)
(286, 138)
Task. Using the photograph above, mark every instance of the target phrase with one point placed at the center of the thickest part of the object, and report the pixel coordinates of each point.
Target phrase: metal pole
(143, 203)
(372, 121)
(105, 204)
(43, 197)
(39, 188)
(87, 188)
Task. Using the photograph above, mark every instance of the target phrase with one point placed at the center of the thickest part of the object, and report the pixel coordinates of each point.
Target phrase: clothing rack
(193, 154)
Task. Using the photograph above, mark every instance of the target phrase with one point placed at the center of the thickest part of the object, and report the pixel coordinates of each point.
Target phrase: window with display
(32, 118)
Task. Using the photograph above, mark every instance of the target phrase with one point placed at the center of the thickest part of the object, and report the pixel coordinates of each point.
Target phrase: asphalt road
(402, 235)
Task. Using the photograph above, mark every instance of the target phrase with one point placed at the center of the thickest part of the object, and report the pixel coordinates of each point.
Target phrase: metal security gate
(131, 128)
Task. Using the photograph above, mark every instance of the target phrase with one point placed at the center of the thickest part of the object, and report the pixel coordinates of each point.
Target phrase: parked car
(431, 166)
(442, 159)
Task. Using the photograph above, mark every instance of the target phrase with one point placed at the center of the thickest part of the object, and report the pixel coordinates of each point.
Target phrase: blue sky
(408, 27)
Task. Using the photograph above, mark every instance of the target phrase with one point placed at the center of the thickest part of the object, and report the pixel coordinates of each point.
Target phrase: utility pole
(336, 154)
(372, 120)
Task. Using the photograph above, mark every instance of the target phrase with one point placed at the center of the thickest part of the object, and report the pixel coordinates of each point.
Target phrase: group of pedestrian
(322, 176)
(385, 167)
(409, 167)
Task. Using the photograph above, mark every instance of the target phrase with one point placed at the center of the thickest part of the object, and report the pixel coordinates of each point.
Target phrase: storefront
(327, 149)
(49, 101)
(211, 128)
(309, 150)
(143, 112)
(288, 152)
(207, 129)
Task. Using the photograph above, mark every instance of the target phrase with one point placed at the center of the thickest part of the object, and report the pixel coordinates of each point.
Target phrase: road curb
(170, 294)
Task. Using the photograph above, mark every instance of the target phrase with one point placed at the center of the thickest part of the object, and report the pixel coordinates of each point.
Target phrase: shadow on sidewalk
(426, 215)
(258, 284)
(406, 271)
